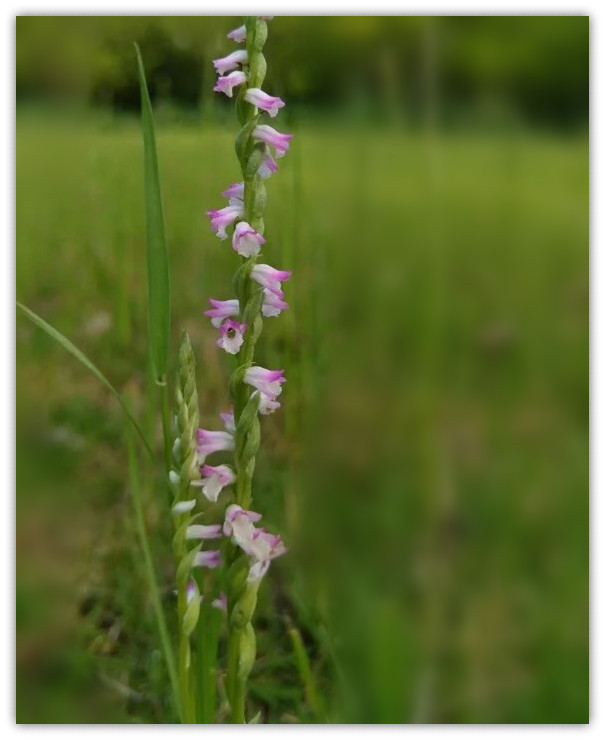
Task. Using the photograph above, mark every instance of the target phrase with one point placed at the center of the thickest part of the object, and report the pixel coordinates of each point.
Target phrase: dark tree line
(535, 66)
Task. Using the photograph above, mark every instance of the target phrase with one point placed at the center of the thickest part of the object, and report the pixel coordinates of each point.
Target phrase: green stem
(207, 630)
(188, 705)
(201, 662)
(236, 688)
(135, 492)
(239, 702)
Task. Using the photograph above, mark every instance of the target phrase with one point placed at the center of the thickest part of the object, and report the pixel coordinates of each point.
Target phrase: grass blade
(81, 357)
(158, 273)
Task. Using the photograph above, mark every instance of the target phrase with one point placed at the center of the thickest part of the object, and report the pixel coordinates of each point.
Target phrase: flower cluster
(257, 543)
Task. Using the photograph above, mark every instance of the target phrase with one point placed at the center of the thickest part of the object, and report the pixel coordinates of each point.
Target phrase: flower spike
(254, 390)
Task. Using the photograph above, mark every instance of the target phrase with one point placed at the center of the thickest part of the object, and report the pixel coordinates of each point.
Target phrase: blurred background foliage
(429, 467)
(536, 67)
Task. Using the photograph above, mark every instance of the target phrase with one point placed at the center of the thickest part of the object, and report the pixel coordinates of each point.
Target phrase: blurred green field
(429, 468)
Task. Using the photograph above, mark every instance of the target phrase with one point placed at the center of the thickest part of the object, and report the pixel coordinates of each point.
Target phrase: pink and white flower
(273, 305)
(265, 548)
(239, 522)
(235, 190)
(267, 405)
(220, 602)
(265, 381)
(192, 592)
(238, 34)
(270, 278)
(262, 100)
(214, 479)
(231, 61)
(222, 310)
(203, 532)
(226, 83)
(228, 418)
(247, 241)
(209, 442)
(207, 559)
(260, 545)
(231, 336)
(267, 166)
(281, 142)
(223, 217)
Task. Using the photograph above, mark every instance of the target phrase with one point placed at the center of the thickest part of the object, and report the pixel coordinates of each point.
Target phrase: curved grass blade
(158, 273)
(81, 357)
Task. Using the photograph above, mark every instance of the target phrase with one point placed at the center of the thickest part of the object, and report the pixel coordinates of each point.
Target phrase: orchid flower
(260, 99)
(231, 336)
(226, 83)
(229, 420)
(235, 190)
(209, 442)
(273, 305)
(246, 241)
(223, 217)
(203, 531)
(238, 34)
(266, 381)
(258, 544)
(222, 310)
(281, 142)
(270, 278)
(214, 479)
(267, 166)
(220, 602)
(207, 559)
(231, 61)
(267, 405)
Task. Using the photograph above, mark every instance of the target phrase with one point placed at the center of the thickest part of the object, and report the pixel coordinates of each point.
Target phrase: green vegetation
(533, 68)
(429, 470)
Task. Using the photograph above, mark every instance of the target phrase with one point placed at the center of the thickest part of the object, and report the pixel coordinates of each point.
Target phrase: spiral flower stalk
(253, 389)
(182, 474)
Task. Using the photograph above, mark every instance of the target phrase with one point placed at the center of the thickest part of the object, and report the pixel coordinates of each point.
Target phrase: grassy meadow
(429, 468)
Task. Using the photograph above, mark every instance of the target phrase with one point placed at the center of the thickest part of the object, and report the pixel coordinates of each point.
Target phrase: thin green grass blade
(81, 357)
(158, 272)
